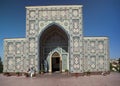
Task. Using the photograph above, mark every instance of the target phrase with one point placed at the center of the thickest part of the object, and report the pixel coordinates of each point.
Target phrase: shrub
(17, 72)
(66, 70)
(1, 66)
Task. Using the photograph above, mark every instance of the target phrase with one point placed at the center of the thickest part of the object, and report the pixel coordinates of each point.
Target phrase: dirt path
(94, 80)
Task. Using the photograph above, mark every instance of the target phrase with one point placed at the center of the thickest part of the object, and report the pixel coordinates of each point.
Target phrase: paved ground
(61, 80)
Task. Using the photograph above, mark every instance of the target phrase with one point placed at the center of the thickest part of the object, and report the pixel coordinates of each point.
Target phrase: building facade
(54, 42)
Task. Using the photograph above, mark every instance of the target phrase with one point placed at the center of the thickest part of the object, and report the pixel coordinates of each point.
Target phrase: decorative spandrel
(62, 23)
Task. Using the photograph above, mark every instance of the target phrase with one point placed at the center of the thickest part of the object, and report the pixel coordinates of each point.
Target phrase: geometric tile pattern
(14, 54)
(84, 53)
(96, 51)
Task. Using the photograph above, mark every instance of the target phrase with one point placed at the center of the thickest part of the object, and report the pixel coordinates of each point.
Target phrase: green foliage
(119, 61)
(66, 70)
(1, 66)
(110, 66)
(88, 72)
(117, 67)
(18, 73)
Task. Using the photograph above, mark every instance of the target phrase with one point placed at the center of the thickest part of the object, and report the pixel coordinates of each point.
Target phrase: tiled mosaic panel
(93, 62)
(10, 48)
(26, 64)
(19, 48)
(76, 40)
(53, 14)
(18, 63)
(58, 15)
(32, 29)
(64, 61)
(101, 46)
(32, 61)
(31, 45)
(76, 65)
(76, 28)
(10, 63)
(15, 50)
(96, 48)
(86, 63)
(76, 44)
(101, 62)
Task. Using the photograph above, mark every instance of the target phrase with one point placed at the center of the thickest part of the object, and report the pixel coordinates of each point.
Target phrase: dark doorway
(55, 64)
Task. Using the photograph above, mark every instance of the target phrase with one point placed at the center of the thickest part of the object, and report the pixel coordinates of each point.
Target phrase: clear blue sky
(100, 18)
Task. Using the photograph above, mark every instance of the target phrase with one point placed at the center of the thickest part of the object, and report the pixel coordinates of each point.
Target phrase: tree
(119, 64)
(1, 66)
(119, 61)
(111, 67)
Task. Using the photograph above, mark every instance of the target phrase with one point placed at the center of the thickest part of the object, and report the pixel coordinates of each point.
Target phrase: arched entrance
(56, 62)
(50, 39)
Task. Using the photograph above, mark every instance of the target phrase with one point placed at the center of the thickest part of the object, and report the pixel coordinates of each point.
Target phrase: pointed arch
(55, 54)
(51, 24)
(51, 37)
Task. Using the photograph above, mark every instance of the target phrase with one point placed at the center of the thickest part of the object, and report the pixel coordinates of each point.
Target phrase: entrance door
(55, 64)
